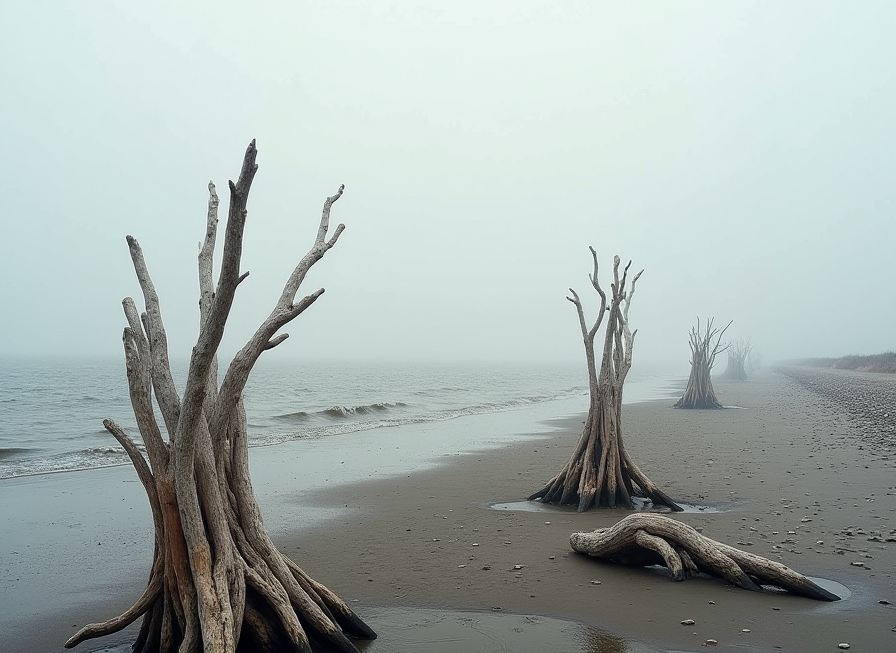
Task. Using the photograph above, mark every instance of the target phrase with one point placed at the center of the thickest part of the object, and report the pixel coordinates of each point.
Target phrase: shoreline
(406, 541)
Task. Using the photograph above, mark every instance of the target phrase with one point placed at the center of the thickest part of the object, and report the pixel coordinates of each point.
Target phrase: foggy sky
(741, 153)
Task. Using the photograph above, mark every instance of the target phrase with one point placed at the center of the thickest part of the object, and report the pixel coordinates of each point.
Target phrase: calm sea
(51, 410)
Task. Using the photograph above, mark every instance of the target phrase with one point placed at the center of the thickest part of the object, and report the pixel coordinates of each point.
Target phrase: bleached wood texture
(648, 539)
(217, 584)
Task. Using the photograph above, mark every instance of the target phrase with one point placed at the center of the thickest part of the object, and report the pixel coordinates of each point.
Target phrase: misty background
(741, 153)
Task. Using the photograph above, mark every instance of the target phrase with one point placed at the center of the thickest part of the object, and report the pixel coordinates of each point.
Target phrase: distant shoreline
(884, 363)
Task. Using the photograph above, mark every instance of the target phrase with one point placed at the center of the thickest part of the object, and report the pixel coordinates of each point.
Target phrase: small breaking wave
(68, 462)
(15, 452)
(300, 416)
(315, 421)
(340, 412)
(328, 415)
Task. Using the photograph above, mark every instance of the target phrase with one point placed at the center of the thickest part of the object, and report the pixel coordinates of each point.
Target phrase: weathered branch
(645, 539)
(206, 254)
(138, 373)
(213, 328)
(143, 472)
(150, 595)
(207, 285)
(166, 394)
(284, 312)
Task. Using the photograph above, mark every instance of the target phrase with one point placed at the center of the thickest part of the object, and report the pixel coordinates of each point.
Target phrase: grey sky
(743, 153)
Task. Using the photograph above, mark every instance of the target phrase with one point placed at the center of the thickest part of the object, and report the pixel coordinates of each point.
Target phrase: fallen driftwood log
(649, 539)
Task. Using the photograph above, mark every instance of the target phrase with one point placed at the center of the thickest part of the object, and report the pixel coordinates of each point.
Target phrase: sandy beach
(450, 557)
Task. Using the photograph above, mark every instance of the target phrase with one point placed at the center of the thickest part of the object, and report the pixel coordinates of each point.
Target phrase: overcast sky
(743, 153)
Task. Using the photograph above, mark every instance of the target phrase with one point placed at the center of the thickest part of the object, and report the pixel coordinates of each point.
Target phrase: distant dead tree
(737, 357)
(754, 362)
(756, 357)
(217, 583)
(600, 471)
(705, 346)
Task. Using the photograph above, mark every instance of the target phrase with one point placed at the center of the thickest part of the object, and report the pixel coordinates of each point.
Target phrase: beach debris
(843, 645)
(644, 539)
(687, 622)
(600, 472)
(711, 642)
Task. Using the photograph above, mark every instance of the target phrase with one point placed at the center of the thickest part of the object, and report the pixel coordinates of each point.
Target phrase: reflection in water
(440, 631)
(833, 586)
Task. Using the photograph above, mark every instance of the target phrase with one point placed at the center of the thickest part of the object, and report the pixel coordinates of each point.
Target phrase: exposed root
(149, 597)
(647, 539)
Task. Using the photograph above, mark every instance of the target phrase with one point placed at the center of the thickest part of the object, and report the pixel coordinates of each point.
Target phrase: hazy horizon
(742, 154)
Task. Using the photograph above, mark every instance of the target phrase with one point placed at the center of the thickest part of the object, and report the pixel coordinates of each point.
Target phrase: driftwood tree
(754, 362)
(737, 358)
(645, 539)
(217, 583)
(705, 344)
(600, 471)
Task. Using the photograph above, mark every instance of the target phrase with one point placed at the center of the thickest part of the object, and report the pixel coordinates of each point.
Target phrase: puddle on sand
(831, 586)
(641, 505)
(423, 630)
(439, 631)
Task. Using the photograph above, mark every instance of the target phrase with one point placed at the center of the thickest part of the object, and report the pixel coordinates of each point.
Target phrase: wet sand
(433, 566)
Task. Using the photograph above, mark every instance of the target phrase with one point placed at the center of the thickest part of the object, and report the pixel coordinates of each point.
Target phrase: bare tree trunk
(737, 357)
(699, 392)
(647, 539)
(600, 471)
(218, 583)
